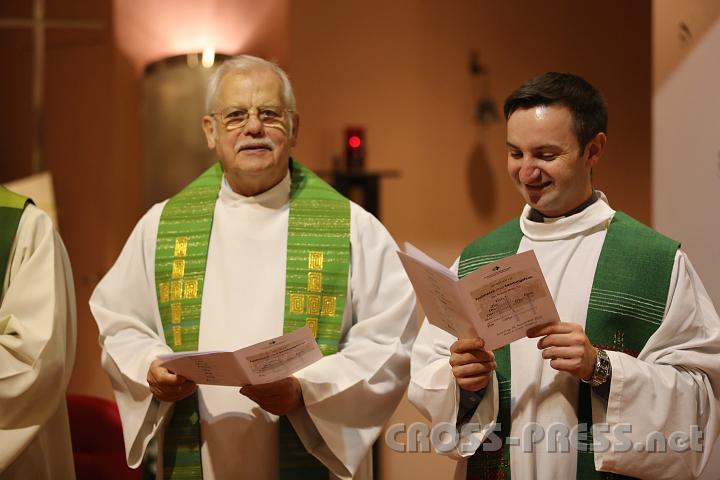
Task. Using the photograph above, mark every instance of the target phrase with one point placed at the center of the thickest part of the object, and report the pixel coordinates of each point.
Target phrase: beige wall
(686, 157)
(677, 29)
(400, 69)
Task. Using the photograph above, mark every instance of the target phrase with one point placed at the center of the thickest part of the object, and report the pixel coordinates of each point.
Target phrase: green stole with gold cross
(627, 304)
(318, 259)
(12, 206)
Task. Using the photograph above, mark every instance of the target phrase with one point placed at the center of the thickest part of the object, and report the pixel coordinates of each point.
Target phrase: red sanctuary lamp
(352, 179)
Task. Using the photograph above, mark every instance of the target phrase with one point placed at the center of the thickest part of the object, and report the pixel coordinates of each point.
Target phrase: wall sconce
(175, 149)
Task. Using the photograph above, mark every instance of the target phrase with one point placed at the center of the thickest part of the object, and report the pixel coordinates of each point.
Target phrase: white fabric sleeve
(435, 393)
(350, 395)
(37, 331)
(668, 391)
(131, 336)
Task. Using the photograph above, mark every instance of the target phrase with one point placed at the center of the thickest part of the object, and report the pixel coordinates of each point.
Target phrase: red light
(354, 141)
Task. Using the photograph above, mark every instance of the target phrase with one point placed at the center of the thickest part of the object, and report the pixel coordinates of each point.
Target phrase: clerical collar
(275, 197)
(536, 216)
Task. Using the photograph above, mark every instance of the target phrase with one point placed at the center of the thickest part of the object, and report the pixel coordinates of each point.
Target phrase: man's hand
(567, 347)
(167, 386)
(471, 364)
(281, 397)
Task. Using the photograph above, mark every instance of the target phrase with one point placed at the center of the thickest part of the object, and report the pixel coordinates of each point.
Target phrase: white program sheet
(264, 362)
(498, 302)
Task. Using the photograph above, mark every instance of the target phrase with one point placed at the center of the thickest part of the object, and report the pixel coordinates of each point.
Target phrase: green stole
(12, 206)
(627, 304)
(318, 258)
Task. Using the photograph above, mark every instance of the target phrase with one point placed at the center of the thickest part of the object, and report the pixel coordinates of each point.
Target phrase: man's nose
(529, 172)
(253, 126)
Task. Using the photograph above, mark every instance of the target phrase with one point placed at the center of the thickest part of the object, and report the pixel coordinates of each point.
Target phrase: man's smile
(537, 187)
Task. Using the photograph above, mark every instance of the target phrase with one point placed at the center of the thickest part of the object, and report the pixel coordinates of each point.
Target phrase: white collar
(275, 197)
(594, 216)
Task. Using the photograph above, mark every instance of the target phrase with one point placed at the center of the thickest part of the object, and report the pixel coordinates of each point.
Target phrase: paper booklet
(497, 302)
(263, 362)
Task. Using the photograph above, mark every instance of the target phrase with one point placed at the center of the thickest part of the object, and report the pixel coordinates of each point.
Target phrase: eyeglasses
(237, 117)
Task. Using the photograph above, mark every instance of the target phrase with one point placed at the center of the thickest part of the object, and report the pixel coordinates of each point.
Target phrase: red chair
(97, 440)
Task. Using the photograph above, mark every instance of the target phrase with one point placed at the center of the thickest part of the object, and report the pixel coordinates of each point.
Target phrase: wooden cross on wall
(38, 23)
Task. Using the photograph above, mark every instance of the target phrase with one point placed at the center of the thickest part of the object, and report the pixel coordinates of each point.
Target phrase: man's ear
(208, 126)
(595, 149)
(295, 130)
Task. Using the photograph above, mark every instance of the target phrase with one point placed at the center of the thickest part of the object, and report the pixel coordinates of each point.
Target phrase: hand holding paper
(498, 302)
(471, 364)
(264, 362)
(167, 386)
(280, 397)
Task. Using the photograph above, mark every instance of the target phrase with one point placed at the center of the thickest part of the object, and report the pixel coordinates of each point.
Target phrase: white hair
(247, 64)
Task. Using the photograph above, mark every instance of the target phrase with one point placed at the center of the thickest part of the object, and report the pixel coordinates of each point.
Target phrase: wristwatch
(601, 371)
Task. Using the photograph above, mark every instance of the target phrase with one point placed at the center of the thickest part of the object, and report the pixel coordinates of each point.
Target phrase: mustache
(254, 143)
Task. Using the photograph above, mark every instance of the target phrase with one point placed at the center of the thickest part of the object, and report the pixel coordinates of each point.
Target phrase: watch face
(601, 372)
(602, 369)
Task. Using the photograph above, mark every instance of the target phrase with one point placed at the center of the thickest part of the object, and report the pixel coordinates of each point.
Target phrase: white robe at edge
(348, 396)
(37, 352)
(673, 384)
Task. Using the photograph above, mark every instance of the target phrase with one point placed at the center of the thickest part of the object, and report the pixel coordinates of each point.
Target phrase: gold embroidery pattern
(178, 268)
(297, 303)
(314, 282)
(181, 244)
(176, 287)
(176, 313)
(315, 260)
(328, 306)
(313, 304)
(191, 289)
(164, 292)
(313, 324)
(177, 336)
(619, 340)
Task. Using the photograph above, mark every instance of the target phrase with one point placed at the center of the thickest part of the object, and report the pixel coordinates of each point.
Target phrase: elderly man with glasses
(255, 247)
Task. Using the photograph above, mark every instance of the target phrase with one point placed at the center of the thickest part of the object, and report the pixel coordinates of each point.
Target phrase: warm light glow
(151, 30)
(192, 60)
(354, 141)
(208, 57)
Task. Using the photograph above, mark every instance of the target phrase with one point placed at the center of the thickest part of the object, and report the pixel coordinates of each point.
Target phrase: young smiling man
(638, 340)
(256, 247)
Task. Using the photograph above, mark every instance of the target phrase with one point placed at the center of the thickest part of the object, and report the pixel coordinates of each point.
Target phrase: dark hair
(585, 102)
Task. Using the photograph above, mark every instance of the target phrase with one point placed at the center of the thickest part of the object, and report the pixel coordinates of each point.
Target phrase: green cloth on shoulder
(626, 305)
(317, 266)
(12, 206)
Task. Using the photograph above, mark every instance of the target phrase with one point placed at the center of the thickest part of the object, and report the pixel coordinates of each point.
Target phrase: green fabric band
(316, 275)
(498, 244)
(12, 206)
(10, 199)
(627, 304)
(318, 258)
(318, 255)
(180, 259)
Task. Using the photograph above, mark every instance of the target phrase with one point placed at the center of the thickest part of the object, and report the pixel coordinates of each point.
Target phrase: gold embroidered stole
(318, 256)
